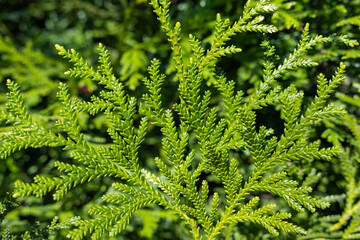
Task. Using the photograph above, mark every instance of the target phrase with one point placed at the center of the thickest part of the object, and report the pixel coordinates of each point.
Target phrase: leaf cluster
(200, 136)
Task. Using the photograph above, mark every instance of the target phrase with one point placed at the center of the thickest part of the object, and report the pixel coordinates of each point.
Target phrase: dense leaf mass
(182, 142)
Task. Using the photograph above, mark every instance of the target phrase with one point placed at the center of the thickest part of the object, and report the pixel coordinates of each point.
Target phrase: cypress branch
(198, 137)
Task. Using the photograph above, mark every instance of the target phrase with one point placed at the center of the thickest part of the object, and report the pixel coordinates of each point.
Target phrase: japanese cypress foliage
(202, 135)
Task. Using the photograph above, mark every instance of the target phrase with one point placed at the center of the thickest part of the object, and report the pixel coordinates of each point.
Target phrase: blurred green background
(30, 29)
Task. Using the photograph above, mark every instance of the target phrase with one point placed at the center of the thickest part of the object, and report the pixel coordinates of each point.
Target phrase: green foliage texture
(157, 133)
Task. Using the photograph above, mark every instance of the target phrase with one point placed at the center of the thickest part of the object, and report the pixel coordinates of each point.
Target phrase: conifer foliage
(346, 224)
(199, 136)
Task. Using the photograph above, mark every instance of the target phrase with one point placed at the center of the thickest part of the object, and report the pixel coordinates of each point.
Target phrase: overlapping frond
(201, 136)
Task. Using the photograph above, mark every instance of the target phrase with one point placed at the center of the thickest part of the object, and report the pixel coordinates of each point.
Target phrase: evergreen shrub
(190, 145)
